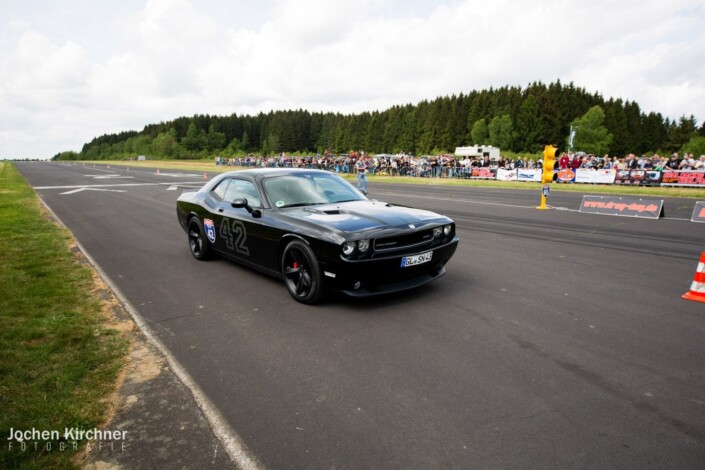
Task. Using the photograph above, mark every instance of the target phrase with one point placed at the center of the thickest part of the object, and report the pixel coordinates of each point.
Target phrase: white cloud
(156, 60)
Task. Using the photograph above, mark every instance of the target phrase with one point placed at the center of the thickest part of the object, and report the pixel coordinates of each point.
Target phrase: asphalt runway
(555, 340)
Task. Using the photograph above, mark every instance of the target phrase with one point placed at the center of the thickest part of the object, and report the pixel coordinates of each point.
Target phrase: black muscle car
(315, 231)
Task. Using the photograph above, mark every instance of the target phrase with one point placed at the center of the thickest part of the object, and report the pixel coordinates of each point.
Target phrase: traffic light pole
(544, 195)
(549, 165)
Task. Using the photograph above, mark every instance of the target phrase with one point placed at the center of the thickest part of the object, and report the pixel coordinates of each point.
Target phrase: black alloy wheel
(197, 239)
(301, 273)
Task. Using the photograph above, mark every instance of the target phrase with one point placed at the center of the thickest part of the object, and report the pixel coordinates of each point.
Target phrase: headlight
(363, 245)
(446, 230)
(437, 232)
(348, 248)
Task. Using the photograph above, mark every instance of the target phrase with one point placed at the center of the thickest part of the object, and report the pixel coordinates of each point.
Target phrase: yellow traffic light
(549, 163)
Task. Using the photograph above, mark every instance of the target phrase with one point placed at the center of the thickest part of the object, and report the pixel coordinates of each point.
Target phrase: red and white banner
(484, 173)
(683, 178)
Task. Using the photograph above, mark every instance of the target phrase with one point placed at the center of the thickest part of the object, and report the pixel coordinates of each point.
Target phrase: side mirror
(242, 202)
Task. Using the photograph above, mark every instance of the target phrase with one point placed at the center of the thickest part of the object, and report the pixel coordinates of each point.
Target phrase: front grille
(411, 240)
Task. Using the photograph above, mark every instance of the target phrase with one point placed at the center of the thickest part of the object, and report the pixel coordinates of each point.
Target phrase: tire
(301, 273)
(197, 241)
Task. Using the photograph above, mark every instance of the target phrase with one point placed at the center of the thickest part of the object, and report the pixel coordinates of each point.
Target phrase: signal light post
(549, 165)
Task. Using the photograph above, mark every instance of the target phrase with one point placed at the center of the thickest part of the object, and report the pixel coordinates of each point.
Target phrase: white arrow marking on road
(74, 191)
(178, 175)
(105, 177)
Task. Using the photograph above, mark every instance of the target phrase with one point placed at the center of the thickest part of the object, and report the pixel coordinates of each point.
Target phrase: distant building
(478, 151)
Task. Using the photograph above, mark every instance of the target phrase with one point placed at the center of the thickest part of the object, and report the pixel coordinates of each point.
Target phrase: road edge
(229, 439)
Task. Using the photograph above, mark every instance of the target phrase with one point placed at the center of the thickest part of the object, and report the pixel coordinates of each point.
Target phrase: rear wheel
(197, 241)
(301, 273)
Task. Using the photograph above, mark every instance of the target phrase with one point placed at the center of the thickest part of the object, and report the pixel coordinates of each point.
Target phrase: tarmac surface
(556, 339)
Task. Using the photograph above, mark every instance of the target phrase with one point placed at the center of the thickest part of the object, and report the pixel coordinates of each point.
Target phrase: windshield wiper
(346, 200)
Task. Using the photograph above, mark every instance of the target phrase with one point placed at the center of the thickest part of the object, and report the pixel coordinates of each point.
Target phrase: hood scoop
(326, 212)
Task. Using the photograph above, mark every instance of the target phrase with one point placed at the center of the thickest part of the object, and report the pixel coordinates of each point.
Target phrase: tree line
(516, 119)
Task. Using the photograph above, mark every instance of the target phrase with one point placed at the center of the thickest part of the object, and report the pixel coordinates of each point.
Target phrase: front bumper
(377, 276)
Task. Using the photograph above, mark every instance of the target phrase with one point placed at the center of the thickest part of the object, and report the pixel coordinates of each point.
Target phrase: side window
(241, 188)
(221, 189)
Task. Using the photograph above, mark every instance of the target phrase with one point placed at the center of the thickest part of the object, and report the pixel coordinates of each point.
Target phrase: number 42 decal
(235, 235)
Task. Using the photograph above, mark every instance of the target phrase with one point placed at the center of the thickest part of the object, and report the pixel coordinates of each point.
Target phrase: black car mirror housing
(239, 203)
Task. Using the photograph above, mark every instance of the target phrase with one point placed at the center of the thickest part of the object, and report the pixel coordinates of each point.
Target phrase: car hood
(366, 216)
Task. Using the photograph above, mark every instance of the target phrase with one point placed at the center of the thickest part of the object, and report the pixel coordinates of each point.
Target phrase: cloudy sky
(71, 70)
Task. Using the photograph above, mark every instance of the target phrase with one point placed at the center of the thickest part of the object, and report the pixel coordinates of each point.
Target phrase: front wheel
(301, 273)
(197, 241)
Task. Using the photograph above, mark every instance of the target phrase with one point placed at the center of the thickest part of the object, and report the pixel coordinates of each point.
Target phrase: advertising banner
(506, 175)
(622, 206)
(585, 175)
(683, 178)
(486, 173)
(566, 176)
(622, 177)
(630, 176)
(698, 212)
(529, 174)
(652, 178)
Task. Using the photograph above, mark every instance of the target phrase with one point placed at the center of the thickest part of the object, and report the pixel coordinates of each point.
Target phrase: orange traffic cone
(157, 170)
(697, 289)
(205, 176)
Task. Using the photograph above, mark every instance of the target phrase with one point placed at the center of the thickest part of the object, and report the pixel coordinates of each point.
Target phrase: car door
(243, 235)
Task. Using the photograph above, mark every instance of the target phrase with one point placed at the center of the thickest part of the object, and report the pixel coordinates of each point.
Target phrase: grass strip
(58, 359)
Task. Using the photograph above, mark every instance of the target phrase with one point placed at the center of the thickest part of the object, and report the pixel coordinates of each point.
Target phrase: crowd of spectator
(632, 162)
(402, 164)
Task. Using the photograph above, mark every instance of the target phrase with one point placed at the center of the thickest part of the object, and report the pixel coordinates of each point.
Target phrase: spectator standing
(655, 160)
(673, 162)
(688, 162)
(576, 162)
(700, 164)
(632, 163)
(641, 163)
(361, 168)
(564, 161)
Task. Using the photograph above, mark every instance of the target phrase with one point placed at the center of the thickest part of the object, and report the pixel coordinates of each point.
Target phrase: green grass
(207, 166)
(58, 360)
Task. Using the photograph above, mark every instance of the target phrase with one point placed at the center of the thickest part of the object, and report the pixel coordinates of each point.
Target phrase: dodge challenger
(316, 232)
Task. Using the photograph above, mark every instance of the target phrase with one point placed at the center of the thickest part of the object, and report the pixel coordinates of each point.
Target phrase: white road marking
(178, 175)
(117, 185)
(105, 177)
(74, 191)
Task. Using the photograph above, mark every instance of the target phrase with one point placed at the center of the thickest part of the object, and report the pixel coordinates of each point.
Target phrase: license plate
(416, 259)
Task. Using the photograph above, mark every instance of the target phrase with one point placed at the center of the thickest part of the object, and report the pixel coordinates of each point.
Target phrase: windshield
(309, 189)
